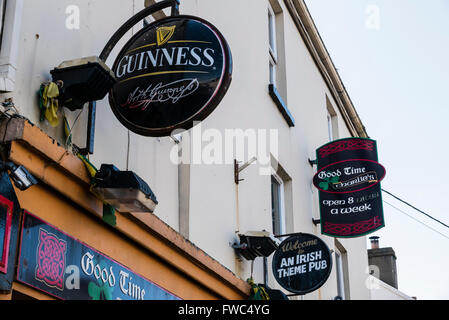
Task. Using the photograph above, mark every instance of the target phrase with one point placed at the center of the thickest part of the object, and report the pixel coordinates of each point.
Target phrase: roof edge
(306, 26)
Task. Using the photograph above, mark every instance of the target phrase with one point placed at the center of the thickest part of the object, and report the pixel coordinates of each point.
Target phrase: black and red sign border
(377, 185)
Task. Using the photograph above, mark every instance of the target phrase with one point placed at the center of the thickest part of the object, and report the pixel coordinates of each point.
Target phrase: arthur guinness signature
(172, 92)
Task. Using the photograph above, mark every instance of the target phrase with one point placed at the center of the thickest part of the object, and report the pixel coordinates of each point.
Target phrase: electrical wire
(73, 126)
(405, 202)
(416, 219)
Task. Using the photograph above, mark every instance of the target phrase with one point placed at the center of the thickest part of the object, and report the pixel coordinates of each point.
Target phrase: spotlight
(124, 190)
(255, 244)
(83, 80)
(20, 176)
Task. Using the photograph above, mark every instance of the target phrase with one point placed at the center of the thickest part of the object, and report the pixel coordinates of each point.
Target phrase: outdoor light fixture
(255, 244)
(20, 176)
(83, 80)
(124, 190)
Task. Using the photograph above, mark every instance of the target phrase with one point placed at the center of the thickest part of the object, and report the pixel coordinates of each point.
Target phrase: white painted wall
(383, 291)
(248, 105)
(217, 208)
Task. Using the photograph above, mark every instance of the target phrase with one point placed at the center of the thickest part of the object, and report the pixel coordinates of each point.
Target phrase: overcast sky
(393, 57)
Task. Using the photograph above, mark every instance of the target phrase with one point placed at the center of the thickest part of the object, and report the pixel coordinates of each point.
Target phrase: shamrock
(328, 182)
(97, 291)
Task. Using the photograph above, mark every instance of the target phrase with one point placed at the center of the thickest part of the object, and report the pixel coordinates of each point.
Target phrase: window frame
(342, 271)
(332, 121)
(10, 40)
(272, 66)
(330, 128)
(339, 269)
(3, 4)
(280, 214)
(272, 34)
(272, 44)
(276, 60)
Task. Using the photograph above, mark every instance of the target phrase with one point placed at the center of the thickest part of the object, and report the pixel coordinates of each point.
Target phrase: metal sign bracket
(238, 169)
(174, 4)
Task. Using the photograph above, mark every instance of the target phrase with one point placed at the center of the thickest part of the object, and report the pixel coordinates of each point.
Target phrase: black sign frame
(205, 110)
(303, 238)
(362, 150)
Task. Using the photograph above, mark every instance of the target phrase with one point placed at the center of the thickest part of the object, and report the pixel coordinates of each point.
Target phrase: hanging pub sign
(348, 179)
(173, 72)
(302, 263)
(55, 263)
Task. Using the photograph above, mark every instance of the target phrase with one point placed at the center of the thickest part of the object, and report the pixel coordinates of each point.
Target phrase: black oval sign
(169, 75)
(302, 263)
(349, 176)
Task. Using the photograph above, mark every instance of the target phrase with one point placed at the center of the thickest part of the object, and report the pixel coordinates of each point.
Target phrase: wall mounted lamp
(124, 190)
(90, 79)
(83, 80)
(255, 244)
(20, 176)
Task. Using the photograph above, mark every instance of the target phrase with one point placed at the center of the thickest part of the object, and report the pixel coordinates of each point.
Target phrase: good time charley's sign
(348, 180)
(56, 263)
(302, 263)
(169, 75)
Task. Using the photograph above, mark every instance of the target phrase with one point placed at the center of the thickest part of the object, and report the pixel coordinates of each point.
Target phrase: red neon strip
(7, 236)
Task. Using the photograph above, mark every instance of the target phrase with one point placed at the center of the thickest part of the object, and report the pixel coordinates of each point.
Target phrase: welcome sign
(348, 180)
(53, 262)
(302, 263)
(170, 74)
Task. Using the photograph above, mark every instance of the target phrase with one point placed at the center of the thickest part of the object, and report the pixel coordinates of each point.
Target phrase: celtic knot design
(361, 227)
(51, 260)
(346, 145)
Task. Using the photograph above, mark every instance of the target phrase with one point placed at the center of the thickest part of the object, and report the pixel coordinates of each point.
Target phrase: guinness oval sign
(169, 75)
(302, 263)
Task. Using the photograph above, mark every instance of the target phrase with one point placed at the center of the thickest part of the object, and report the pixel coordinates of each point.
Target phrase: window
(272, 72)
(277, 205)
(277, 87)
(272, 46)
(340, 277)
(2, 18)
(11, 19)
(341, 267)
(332, 121)
(329, 127)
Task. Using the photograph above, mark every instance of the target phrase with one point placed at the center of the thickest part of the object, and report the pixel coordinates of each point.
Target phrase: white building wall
(217, 208)
(383, 291)
(248, 105)
(45, 42)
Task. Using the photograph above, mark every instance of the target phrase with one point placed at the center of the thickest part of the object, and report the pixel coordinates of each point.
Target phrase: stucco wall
(247, 106)
(382, 291)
